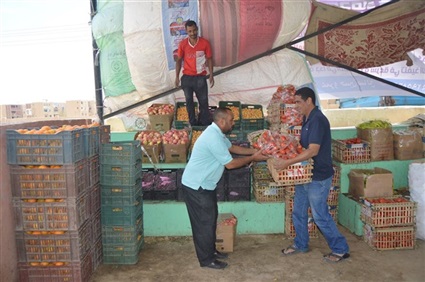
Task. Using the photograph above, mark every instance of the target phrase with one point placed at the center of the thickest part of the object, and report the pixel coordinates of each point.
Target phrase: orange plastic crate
(350, 153)
(298, 173)
(388, 214)
(394, 238)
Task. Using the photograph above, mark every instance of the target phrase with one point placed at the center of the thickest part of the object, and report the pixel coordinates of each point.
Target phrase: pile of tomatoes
(352, 141)
(386, 200)
(279, 145)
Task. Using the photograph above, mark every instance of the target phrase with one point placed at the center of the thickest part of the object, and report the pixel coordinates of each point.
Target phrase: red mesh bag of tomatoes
(278, 145)
(284, 94)
(290, 116)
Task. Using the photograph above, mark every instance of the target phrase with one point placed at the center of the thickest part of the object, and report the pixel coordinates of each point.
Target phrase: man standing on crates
(316, 140)
(210, 155)
(196, 53)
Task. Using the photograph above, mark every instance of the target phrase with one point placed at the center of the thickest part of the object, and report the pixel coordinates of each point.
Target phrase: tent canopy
(137, 40)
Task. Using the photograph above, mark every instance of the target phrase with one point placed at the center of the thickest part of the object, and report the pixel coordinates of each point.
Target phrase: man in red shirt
(196, 54)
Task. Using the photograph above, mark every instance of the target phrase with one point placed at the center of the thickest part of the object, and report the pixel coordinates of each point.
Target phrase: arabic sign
(355, 5)
(332, 82)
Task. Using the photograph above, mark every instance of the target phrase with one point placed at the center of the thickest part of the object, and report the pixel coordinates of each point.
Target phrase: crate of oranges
(45, 146)
(181, 117)
(252, 117)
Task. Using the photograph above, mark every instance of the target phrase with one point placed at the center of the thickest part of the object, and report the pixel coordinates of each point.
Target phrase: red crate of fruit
(350, 151)
(388, 211)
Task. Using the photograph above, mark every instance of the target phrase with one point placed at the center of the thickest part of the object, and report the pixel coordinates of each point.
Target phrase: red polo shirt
(194, 57)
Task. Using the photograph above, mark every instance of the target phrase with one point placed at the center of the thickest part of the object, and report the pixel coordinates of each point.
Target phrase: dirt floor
(258, 258)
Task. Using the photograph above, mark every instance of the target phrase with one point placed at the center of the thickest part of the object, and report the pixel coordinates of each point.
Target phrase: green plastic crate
(123, 253)
(121, 215)
(116, 153)
(252, 124)
(121, 194)
(120, 174)
(122, 234)
(181, 124)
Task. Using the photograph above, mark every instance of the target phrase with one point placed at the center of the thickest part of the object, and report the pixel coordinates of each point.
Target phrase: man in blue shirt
(210, 155)
(316, 139)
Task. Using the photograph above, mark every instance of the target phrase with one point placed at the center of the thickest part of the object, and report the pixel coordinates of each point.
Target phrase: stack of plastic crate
(93, 137)
(52, 205)
(121, 202)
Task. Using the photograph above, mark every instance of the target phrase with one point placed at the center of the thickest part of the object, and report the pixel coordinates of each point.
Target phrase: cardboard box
(175, 153)
(160, 122)
(226, 232)
(381, 143)
(154, 152)
(407, 145)
(377, 182)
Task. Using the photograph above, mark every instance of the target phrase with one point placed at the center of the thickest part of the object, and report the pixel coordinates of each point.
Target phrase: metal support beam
(96, 66)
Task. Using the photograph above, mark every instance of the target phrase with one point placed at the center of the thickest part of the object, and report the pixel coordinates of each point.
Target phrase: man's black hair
(305, 93)
(190, 23)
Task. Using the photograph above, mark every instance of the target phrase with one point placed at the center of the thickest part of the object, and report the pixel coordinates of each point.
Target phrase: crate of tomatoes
(389, 238)
(388, 211)
(350, 151)
(284, 146)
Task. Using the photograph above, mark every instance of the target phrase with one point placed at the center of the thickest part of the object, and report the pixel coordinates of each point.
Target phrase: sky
(45, 51)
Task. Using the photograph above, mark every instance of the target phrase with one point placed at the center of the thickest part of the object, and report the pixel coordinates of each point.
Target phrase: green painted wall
(170, 218)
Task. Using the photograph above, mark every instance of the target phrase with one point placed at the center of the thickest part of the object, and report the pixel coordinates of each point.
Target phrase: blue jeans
(197, 84)
(315, 195)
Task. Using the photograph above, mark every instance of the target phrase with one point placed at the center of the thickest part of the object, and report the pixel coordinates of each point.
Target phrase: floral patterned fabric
(380, 38)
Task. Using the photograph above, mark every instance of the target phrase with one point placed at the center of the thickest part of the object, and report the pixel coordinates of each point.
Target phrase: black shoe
(216, 265)
(219, 255)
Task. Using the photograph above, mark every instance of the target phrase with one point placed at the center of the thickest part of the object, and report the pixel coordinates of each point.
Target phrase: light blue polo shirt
(209, 156)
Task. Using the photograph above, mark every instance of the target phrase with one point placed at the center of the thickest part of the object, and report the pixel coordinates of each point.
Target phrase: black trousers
(197, 84)
(203, 211)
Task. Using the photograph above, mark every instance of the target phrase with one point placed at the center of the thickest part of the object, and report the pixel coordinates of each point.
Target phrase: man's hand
(281, 164)
(211, 81)
(177, 82)
(260, 156)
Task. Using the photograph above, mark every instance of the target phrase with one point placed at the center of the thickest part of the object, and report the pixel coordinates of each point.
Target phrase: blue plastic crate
(117, 153)
(91, 141)
(66, 147)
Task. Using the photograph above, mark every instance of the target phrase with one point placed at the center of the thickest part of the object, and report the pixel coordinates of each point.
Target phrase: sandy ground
(258, 258)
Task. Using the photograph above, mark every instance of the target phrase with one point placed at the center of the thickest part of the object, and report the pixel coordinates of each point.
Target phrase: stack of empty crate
(52, 190)
(389, 223)
(121, 202)
(332, 205)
